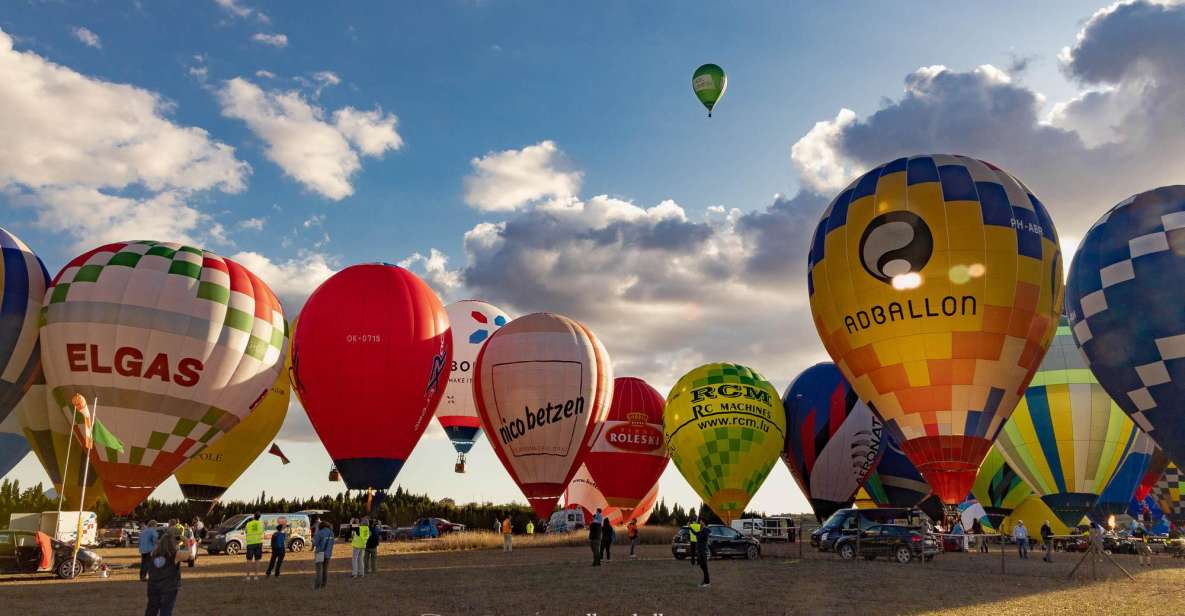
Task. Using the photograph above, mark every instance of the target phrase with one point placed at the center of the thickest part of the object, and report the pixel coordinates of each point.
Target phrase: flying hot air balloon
(935, 283)
(709, 83)
(543, 383)
(725, 429)
(999, 488)
(895, 482)
(370, 361)
(833, 440)
(1123, 296)
(628, 454)
(1169, 493)
(47, 431)
(1156, 465)
(1066, 437)
(1116, 497)
(205, 477)
(473, 322)
(175, 342)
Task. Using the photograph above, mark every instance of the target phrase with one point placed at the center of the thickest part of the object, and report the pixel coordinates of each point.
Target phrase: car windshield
(836, 520)
(232, 521)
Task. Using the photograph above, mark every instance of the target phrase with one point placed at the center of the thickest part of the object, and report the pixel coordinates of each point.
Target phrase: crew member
(254, 532)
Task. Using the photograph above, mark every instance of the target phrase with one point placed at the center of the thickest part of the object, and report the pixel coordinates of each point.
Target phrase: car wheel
(233, 548)
(752, 553)
(904, 555)
(69, 569)
(847, 551)
(297, 545)
(680, 556)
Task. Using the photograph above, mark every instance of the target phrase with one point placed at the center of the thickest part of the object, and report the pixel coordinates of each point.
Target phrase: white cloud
(508, 180)
(292, 280)
(199, 72)
(315, 220)
(328, 78)
(434, 270)
(239, 10)
(275, 40)
(312, 151)
(262, 74)
(88, 38)
(252, 224)
(101, 160)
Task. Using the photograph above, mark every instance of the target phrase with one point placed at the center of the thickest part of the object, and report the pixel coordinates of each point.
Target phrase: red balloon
(370, 361)
(629, 454)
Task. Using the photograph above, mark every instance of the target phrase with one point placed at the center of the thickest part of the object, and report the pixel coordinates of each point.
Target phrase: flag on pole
(92, 430)
(275, 451)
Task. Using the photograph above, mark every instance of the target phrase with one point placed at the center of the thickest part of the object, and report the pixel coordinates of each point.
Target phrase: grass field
(464, 578)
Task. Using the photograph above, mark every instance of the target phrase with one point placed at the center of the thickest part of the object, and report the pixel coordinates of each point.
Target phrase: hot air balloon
(998, 488)
(370, 361)
(709, 83)
(628, 454)
(473, 322)
(13, 446)
(833, 440)
(1123, 297)
(1156, 465)
(542, 385)
(725, 429)
(23, 281)
(1034, 512)
(1066, 437)
(935, 283)
(205, 477)
(1118, 494)
(1169, 493)
(895, 482)
(175, 342)
(583, 493)
(47, 432)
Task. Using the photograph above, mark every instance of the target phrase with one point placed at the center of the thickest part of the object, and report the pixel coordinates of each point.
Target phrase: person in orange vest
(506, 535)
(631, 531)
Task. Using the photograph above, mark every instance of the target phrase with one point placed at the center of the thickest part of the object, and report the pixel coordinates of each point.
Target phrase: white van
(765, 529)
(230, 536)
(566, 521)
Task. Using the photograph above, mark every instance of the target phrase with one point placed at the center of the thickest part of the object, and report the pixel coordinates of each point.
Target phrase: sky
(552, 157)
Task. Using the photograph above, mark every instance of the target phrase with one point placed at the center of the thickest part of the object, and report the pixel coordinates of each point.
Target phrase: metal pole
(65, 470)
(82, 494)
(1001, 535)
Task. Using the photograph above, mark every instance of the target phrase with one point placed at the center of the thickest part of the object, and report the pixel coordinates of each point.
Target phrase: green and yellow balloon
(709, 83)
(725, 427)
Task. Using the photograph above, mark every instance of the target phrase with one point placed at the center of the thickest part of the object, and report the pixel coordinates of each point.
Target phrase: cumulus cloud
(433, 269)
(86, 37)
(321, 155)
(292, 279)
(102, 160)
(237, 9)
(507, 180)
(262, 74)
(252, 224)
(275, 40)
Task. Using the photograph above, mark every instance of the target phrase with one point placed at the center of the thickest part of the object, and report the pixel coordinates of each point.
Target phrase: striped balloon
(175, 342)
(998, 487)
(1066, 437)
(1117, 496)
(23, 281)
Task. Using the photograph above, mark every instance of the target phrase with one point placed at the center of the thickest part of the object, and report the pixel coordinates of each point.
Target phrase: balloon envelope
(174, 342)
(47, 432)
(1119, 492)
(472, 323)
(725, 429)
(709, 82)
(542, 385)
(370, 361)
(23, 281)
(628, 454)
(935, 284)
(895, 482)
(998, 487)
(13, 446)
(1169, 493)
(1123, 296)
(1066, 437)
(1156, 465)
(1034, 512)
(833, 440)
(584, 494)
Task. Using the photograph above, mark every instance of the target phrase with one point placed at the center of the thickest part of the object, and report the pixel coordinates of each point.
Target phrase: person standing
(597, 517)
(164, 574)
(705, 553)
(530, 528)
(148, 540)
(608, 536)
(358, 543)
(631, 531)
(254, 532)
(199, 528)
(507, 535)
(279, 545)
(1047, 541)
(977, 535)
(1143, 550)
(1020, 534)
(372, 548)
(594, 541)
(693, 536)
(322, 551)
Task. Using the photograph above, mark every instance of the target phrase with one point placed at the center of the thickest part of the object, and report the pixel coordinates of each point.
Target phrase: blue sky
(302, 139)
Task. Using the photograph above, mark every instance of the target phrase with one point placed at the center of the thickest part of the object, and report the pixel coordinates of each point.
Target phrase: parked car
(21, 553)
(847, 521)
(230, 536)
(901, 543)
(766, 529)
(723, 542)
(565, 521)
(119, 532)
(427, 528)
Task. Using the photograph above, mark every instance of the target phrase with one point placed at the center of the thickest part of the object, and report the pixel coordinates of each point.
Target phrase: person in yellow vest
(530, 528)
(358, 542)
(506, 534)
(254, 532)
(693, 537)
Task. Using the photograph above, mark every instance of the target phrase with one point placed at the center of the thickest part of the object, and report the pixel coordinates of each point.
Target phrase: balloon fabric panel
(472, 323)
(23, 281)
(628, 454)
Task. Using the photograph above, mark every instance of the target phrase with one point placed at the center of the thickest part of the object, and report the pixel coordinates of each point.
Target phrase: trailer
(64, 528)
(766, 529)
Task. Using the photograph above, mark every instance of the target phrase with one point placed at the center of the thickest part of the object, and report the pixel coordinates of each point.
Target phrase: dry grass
(559, 581)
(489, 540)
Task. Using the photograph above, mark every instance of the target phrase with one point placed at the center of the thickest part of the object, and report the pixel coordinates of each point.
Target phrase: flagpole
(57, 523)
(82, 495)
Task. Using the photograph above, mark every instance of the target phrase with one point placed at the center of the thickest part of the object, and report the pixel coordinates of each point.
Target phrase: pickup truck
(427, 528)
(120, 533)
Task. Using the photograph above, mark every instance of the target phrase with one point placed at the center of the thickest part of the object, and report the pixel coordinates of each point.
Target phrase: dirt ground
(558, 580)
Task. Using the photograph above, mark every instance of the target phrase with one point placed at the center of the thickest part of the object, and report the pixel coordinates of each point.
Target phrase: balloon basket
(334, 475)
(459, 467)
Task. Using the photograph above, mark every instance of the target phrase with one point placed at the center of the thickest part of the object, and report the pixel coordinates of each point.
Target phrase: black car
(723, 542)
(901, 543)
(20, 553)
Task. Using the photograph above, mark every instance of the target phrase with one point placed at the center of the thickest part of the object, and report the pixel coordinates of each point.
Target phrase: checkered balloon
(1123, 297)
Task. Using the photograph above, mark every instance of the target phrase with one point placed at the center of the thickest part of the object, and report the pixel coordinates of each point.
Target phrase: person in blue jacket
(322, 551)
(279, 544)
(148, 541)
